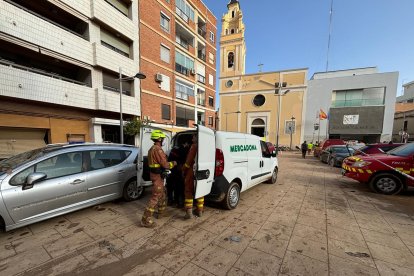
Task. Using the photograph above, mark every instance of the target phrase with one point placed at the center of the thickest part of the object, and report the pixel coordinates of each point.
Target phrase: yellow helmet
(157, 134)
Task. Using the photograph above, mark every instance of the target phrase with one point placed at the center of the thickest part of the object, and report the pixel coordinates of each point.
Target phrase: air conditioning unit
(158, 78)
(192, 72)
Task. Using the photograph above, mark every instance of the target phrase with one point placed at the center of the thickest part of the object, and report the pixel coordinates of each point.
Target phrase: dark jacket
(304, 147)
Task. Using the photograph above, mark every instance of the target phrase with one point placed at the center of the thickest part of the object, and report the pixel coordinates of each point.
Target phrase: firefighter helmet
(157, 134)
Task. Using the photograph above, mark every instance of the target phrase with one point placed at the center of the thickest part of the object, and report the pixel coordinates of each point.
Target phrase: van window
(265, 150)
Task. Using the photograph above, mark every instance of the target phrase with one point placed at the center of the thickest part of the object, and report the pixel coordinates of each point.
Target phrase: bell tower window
(232, 14)
(232, 31)
(230, 60)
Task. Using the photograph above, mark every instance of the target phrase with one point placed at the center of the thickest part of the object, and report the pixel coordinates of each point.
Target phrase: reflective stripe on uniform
(186, 165)
(154, 166)
(150, 210)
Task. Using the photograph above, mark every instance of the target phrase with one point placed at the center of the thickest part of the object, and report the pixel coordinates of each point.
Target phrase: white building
(59, 61)
(360, 105)
(408, 96)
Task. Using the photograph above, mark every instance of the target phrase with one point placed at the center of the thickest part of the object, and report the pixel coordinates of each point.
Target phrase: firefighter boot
(199, 213)
(188, 214)
(147, 221)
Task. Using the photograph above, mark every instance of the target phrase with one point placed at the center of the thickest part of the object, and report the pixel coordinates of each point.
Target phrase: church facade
(250, 103)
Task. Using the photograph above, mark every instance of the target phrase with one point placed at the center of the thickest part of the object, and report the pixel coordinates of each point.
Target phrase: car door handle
(121, 171)
(77, 181)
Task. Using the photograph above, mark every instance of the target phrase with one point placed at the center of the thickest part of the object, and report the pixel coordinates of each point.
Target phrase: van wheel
(386, 183)
(132, 191)
(274, 177)
(232, 197)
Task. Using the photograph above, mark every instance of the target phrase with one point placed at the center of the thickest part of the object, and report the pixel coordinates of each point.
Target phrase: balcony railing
(202, 32)
(40, 72)
(201, 56)
(114, 49)
(181, 69)
(201, 78)
(114, 89)
(182, 42)
(181, 14)
(181, 95)
(201, 102)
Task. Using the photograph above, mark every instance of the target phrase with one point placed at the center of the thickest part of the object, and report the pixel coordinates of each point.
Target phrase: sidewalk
(311, 222)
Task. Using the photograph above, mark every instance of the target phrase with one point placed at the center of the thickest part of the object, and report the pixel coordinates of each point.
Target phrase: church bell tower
(232, 43)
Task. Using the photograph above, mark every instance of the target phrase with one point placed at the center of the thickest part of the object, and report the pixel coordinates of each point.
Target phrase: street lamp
(278, 92)
(140, 76)
(234, 112)
(291, 130)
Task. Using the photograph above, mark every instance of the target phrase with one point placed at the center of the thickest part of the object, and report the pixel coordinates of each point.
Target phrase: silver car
(58, 179)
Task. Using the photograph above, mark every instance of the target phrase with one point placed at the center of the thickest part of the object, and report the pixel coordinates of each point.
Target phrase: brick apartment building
(59, 64)
(178, 56)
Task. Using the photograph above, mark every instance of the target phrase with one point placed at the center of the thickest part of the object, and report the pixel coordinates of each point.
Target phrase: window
(165, 112)
(183, 63)
(211, 36)
(232, 14)
(211, 58)
(229, 83)
(358, 97)
(182, 90)
(165, 23)
(265, 149)
(232, 31)
(230, 60)
(184, 10)
(107, 158)
(210, 121)
(119, 6)
(117, 44)
(183, 115)
(57, 166)
(210, 79)
(201, 97)
(259, 100)
(211, 101)
(165, 54)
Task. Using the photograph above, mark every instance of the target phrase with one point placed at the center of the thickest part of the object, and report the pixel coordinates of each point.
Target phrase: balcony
(181, 14)
(202, 32)
(201, 102)
(184, 43)
(201, 79)
(181, 95)
(105, 57)
(181, 69)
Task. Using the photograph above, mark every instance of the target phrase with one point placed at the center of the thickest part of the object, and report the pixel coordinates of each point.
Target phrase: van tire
(386, 183)
(232, 196)
(129, 192)
(273, 179)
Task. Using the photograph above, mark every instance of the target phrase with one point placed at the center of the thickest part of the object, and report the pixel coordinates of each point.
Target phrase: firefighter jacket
(157, 160)
(189, 162)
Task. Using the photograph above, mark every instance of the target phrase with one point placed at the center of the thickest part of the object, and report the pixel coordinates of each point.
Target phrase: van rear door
(206, 157)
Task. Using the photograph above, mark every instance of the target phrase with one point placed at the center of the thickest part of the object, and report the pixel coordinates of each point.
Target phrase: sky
(293, 34)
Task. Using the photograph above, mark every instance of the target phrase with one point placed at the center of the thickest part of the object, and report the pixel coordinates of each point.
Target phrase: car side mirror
(32, 179)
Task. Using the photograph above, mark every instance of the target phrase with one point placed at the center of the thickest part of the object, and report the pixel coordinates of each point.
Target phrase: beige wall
(240, 97)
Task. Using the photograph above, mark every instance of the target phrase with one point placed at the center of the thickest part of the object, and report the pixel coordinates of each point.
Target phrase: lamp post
(234, 112)
(140, 76)
(278, 92)
(291, 130)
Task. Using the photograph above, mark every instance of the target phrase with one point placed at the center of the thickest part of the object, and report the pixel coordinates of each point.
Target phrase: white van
(227, 163)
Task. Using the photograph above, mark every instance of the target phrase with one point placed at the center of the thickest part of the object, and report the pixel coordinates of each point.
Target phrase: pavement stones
(311, 222)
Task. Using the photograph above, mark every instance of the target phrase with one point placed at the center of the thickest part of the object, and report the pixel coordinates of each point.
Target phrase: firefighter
(189, 183)
(157, 161)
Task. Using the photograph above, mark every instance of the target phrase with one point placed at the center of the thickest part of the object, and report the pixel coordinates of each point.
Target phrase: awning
(17, 140)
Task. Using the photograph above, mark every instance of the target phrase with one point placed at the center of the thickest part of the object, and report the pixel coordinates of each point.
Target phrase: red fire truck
(388, 173)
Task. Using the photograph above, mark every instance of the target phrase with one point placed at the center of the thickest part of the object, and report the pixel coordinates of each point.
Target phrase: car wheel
(274, 177)
(132, 191)
(232, 197)
(332, 162)
(386, 183)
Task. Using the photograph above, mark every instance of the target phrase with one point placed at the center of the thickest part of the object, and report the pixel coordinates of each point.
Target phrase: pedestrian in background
(310, 147)
(157, 162)
(304, 148)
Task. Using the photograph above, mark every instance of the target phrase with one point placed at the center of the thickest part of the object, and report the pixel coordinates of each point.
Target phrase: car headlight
(360, 164)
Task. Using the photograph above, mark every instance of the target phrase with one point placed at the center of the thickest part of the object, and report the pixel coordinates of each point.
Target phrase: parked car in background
(58, 179)
(378, 148)
(329, 142)
(334, 155)
(388, 173)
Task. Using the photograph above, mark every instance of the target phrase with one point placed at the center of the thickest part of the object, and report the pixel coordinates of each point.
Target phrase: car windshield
(342, 150)
(405, 150)
(11, 163)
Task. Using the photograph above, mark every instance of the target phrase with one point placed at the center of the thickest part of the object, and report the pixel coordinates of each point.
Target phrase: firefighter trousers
(158, 197)
(189, 193)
